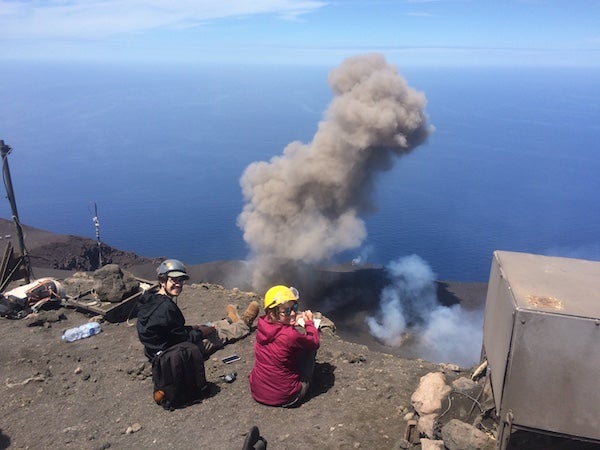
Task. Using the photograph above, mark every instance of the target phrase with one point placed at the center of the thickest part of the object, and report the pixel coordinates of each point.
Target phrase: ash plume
(305, 205)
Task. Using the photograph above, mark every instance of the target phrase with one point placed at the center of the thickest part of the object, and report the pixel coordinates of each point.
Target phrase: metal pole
(5, 150)
(97, 225)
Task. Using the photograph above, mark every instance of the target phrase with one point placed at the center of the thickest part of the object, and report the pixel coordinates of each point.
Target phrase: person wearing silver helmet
(161, 324)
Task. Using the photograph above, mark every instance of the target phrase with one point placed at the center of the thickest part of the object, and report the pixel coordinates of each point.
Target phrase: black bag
(13, 307)
(178, 375)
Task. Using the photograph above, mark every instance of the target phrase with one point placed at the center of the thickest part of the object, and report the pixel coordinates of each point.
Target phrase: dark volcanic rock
(78, 253)
(113, 285)
(66, 252)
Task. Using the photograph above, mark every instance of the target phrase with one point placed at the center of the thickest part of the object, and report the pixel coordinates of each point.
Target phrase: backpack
(178, 375)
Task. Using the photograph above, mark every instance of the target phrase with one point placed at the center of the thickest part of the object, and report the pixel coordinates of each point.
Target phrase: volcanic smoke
(410, 316)
(305, 205)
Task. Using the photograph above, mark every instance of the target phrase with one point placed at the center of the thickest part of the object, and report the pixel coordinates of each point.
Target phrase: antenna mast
(97, 225)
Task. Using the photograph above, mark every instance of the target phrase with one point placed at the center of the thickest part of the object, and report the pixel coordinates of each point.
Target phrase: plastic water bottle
(80, 332)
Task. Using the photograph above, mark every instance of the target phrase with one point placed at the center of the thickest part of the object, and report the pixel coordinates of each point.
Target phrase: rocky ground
(96, 393)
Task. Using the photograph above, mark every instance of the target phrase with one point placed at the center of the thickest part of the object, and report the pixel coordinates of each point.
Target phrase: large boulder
(111, 284)
(459, 435)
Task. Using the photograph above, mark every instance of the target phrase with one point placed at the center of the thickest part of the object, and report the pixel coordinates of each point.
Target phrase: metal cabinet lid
(552, 284)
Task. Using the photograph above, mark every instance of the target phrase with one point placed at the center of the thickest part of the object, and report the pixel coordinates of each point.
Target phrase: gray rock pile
(450, 416)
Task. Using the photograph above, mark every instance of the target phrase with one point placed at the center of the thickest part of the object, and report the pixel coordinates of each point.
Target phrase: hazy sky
(420, 32)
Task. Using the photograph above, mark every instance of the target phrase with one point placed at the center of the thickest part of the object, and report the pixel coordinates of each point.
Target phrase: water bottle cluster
(80, 332)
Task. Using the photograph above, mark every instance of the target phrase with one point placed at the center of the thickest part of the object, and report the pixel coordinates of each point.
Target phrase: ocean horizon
(512, 163)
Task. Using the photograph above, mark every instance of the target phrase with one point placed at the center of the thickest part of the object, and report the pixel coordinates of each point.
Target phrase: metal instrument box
(541, 337)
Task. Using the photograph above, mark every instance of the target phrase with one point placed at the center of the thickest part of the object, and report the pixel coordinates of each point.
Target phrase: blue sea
(513, 163)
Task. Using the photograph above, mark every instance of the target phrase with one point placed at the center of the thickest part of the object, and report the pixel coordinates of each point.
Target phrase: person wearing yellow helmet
(284, 352)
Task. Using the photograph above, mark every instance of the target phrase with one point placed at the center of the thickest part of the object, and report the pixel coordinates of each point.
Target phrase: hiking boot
(159, 396)
(232, 314)
(251, 313)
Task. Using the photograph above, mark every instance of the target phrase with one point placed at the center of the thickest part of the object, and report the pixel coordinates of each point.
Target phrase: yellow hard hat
(278, 295)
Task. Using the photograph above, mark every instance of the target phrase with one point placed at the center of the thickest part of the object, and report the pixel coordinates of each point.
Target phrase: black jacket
(160, 324)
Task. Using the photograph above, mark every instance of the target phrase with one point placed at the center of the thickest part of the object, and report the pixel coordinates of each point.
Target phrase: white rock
(430, 444)
(432, 390)
(426, 423)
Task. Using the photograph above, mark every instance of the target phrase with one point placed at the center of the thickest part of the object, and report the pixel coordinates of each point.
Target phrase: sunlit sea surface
(513, 163)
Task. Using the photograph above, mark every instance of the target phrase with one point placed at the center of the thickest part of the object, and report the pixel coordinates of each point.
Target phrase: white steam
(452, 334)
(410, 314)
(306, 204)
(363, 256)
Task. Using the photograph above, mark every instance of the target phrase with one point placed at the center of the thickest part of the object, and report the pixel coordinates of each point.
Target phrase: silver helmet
(172, 268)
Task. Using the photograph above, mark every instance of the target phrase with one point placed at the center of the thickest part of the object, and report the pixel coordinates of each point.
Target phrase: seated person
(160, 322)
(284, 352)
